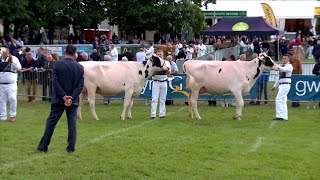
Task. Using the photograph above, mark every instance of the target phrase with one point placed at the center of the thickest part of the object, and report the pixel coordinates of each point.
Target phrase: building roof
(281, 9)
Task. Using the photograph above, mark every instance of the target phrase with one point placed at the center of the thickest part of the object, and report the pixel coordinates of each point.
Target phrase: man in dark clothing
(256, 46)
(65, 96)
(128, 54)
(316, 52)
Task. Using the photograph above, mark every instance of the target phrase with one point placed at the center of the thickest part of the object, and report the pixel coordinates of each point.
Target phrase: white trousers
(8, 91)
(309, 52)
(159, 92)
(281, 101)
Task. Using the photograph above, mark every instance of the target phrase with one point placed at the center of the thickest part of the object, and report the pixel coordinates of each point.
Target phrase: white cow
(223, 77)
(114, 78)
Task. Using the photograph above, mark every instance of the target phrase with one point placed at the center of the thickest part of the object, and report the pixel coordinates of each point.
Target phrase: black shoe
(38, 151)
(162, 116)
(153, 117)
(70, 151)
(278, 119)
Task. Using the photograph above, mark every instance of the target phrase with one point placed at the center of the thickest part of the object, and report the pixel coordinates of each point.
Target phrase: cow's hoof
(129, 117)
(236, 118)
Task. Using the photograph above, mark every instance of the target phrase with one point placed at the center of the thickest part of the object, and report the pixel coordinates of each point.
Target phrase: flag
(270, 18)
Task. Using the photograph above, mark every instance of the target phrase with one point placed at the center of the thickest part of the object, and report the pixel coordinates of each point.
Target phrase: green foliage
(176, 147)
(165, 16)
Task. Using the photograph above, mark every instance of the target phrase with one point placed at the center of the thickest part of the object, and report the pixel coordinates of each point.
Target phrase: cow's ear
(156, 61)
(268, 61)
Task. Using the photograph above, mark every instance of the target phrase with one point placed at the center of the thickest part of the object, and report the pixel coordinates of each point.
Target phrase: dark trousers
(46, 89)
(262, 87)
(316, 58)
(55, 114)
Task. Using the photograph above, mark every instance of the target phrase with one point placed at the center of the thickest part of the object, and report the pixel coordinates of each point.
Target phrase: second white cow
(114, 78)
(223, 77)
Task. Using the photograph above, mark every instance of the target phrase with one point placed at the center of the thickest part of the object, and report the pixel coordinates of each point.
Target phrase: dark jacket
(316, 50)
(67, 81)
(316, 69)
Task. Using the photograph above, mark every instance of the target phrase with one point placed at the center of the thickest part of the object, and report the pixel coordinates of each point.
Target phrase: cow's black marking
(248, 78)
(147, 73)
(144, 63)
(156, 62)
(220, 70)
(258, 70)
(268, 62)
(124, 84)
(148, 66)
(140, 72)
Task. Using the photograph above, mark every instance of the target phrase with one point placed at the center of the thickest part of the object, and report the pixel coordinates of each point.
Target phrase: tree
(163, 15)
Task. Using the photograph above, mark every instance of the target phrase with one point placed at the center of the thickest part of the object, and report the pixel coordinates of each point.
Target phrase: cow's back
(111, 78)
(215, 77)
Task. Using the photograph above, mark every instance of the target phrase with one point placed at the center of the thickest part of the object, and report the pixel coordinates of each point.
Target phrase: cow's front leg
(240, 104)
(126, 102)
(129, 108)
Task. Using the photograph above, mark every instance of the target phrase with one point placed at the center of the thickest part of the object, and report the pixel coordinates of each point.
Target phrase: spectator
(316, 52)
(124, 59)
(254, 56)
(224, 59)
(256, 45)
(94, 55)
(189, 52)
(309, 48)
(243, 57)
(263, 87)
(47, 78)
(201, 49)
(173, 70)
(297, 69)
(150, 51)
(232, 58)
(85, 57)
(28, 70)
(114, 38)
(9, 67)
(141, 55)
(20, 42)
(128, 54)
(113, 53)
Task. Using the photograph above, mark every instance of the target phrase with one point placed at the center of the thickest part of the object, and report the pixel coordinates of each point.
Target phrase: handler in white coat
(283, 83)
(159, 90)
(9, 67)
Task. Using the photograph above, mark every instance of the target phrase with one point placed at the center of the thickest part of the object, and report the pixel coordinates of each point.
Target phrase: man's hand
(67, 100)
(10, 58)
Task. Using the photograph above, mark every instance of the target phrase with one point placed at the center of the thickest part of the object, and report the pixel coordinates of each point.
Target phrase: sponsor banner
(177, 90)
(268, 12)
(59, 48)
(305, 88)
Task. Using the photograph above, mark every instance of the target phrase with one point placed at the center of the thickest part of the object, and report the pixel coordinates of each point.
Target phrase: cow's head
(158, 63)
(267, 62)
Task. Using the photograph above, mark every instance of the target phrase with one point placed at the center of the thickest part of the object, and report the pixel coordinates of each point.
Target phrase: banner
(177, 90)
(60, 48)
(305, 88)
(270, 18)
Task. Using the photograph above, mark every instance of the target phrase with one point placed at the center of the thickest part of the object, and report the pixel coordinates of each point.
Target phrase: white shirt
(113, 54)
(141, 56)
(149, 52)
(20, 43)
(202, 50)
(177, 49)
(10, 77)
(287, 69)
(189, 51)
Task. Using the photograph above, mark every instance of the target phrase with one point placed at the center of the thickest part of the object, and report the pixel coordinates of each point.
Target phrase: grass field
(176, 147)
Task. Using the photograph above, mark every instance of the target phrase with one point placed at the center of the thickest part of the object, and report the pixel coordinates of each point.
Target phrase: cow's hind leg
(240, 104)
(81, 99)
(126, 102)
(91, 99)
(194, 103)
(129, 108)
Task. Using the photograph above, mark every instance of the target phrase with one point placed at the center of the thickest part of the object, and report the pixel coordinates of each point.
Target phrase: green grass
(176, 147)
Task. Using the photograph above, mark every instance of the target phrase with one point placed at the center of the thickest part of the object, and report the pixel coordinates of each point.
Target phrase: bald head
(106, 58)
(84, 56)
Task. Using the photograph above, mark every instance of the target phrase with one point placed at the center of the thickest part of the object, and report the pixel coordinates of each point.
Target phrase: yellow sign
(317, 11)
(270, 18)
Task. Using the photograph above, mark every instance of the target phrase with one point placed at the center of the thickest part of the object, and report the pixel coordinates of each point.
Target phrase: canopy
(242, 26)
